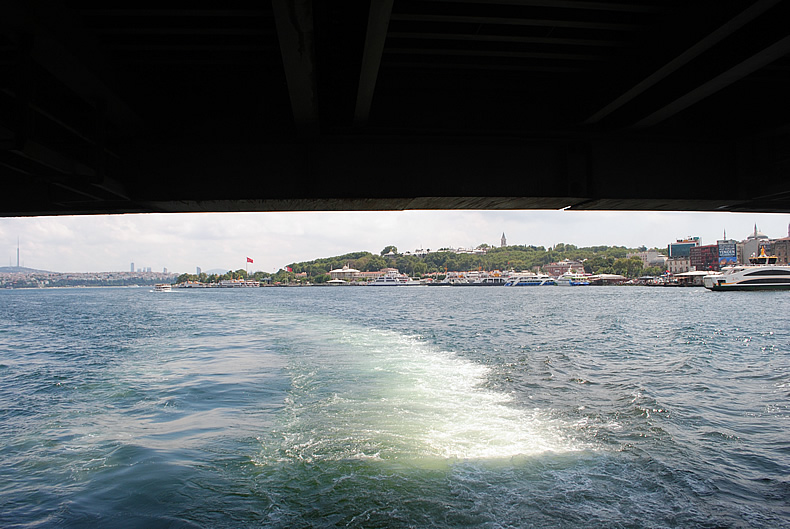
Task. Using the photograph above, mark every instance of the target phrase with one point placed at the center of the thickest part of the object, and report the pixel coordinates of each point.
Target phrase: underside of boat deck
(394, 104)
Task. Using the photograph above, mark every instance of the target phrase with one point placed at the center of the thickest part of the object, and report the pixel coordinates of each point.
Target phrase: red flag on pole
(249, 260)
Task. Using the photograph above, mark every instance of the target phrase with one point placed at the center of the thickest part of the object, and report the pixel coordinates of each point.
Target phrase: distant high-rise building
(198, 270)
(132, 268)
(164, 270)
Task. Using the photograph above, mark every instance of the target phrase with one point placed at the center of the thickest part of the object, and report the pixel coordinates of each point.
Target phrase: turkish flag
(249, 260)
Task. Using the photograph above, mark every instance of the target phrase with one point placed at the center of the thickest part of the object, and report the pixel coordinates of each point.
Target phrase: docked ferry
(393, 279)
(573, 279)
(762, 274)
(530, 279)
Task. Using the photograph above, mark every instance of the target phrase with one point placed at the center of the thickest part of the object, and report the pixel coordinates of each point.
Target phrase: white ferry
(163, 287)
(573, 279)
(239, 283)
(392, 279)
(475, 279)
(530, 279)
(762, 274)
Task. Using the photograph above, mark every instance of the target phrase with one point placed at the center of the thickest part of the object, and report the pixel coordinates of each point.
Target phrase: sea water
(394, 407)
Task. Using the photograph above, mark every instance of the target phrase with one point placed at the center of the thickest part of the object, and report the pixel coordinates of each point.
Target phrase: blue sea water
(402, 407)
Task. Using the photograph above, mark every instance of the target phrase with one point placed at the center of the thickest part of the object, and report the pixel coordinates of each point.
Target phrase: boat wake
(382, 395)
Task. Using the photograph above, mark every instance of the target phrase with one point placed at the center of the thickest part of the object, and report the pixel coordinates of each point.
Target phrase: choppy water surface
(405, 407)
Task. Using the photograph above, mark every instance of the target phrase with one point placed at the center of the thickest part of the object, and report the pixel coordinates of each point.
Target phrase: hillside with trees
(597, 260)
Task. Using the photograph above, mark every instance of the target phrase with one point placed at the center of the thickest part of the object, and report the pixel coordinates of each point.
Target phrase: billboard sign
(728, 254)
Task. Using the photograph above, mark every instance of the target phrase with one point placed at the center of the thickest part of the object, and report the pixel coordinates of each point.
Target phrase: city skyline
(223, 241)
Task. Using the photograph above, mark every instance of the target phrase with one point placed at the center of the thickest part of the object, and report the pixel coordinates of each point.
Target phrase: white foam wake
(385, 395)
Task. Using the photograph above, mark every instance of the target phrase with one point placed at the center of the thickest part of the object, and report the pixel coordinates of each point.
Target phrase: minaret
(503, 241)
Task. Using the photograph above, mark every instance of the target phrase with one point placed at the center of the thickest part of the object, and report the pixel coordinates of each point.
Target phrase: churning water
(404, 407)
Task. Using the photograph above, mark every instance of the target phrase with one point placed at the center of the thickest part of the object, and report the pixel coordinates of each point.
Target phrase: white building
(345, 273)
(678, 265)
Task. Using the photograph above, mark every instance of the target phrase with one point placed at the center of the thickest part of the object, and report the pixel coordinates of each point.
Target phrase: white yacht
(572, 279)
(529, 279)
(392, 279)
(762, 274)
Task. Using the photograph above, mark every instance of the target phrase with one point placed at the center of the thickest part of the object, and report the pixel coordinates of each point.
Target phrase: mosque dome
(757, 234)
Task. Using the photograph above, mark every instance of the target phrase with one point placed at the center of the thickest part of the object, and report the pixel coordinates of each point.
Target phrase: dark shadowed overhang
(172, 106)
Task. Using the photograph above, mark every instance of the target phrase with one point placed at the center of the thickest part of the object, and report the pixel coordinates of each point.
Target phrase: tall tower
(131, 268)
(503, 241)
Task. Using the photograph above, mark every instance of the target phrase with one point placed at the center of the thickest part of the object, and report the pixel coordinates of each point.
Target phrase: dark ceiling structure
(174, 106)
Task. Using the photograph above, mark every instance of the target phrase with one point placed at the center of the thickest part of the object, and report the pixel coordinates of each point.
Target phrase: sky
(182, 241)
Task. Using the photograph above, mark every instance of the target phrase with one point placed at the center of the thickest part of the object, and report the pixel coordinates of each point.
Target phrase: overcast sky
(180, 242)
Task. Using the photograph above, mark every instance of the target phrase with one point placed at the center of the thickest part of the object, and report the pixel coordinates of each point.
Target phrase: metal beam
(508, 21)
(552, 56)
(71, 61)
(724, 31)
(628, 7)
(378, 22)
(294, 21)
(516, 39)
(736, 73)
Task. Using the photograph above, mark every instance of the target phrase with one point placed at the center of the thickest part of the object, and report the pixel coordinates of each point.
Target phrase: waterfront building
(678, 265)
(345, 273)
(704, 257)
(753, 244)
(557, 269)
(781, 248)
(682, 247)
(650, 258)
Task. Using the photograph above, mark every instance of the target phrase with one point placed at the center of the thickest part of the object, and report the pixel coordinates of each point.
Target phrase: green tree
(388, 249)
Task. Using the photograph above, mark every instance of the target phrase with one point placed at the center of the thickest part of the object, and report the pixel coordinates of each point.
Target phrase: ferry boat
(475, 279)
(572, 279)
(488, 281)
(239, 283)
(163, 287)
(530, 279)
(762, 274)
(392, 279)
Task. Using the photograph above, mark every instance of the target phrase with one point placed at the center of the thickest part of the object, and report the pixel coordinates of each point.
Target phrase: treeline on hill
(598, 260)
(216, 278)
